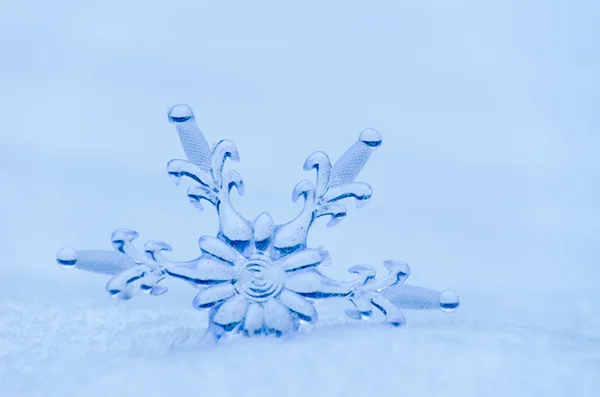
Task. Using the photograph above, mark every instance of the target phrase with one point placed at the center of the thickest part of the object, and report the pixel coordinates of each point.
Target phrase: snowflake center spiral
(259, 280)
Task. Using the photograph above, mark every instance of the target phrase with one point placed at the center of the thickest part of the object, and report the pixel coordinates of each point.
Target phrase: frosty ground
(517, 343)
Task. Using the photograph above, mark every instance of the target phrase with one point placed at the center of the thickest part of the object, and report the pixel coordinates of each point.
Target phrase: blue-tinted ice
(256, 277)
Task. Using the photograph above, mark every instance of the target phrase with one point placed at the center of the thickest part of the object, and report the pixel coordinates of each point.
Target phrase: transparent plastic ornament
(256, 277)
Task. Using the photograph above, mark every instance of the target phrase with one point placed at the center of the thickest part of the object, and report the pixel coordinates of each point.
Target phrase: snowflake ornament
(258, 277)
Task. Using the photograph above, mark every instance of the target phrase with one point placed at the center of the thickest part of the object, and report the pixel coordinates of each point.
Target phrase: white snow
(503, 344)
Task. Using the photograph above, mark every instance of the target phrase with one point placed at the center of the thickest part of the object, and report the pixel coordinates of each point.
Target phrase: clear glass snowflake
(259, 277)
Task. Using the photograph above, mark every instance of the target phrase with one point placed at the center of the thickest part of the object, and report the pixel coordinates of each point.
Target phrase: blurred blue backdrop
(487, 178)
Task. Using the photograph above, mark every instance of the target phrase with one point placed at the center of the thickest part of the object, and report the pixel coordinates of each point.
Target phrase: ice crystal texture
(256, 277)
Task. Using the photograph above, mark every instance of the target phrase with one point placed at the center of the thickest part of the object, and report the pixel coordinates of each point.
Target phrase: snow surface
(506, 344)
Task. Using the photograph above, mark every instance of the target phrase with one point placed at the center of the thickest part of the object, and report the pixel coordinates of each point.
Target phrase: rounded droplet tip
(371, 137)
(66, 257)
(180, 114)
(448, 301)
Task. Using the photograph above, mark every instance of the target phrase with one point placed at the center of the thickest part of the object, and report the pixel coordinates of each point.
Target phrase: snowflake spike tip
(412, 297)
(258, 277)
(347, 168)
(194, 144)
(102, 262)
